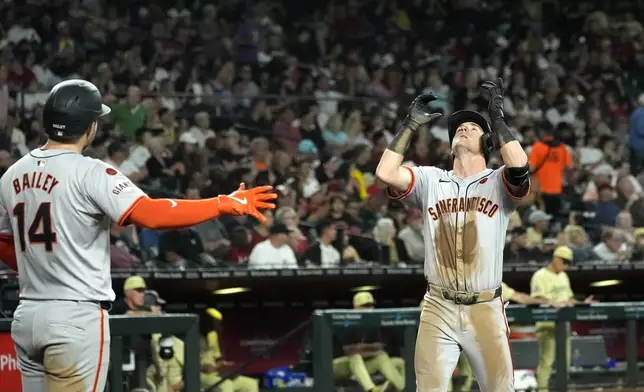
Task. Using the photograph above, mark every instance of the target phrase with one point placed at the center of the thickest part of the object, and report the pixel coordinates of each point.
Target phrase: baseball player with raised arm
(466, 213)
(56, 207)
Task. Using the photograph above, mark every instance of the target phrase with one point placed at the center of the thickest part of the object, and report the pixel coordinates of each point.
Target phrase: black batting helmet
(71, 107)
(462, 116)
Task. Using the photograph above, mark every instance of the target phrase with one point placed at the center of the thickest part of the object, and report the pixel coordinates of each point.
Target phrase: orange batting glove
(247, 202)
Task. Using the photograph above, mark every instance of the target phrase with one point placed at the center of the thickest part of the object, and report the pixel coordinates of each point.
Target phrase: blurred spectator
(636, 136)
(393, 249)
(549, 160)
(297, 240)
(212, 233)
(638, 247)
(129, 115)
(606, 207)
(612, 247)
(273, 252)
(323, 253)
(516, 251)
(576, 240)
(200, 132)
(180, 249)
(412, 236)
(262, 230)
(241, 246)
(124, 246)
(538, 224)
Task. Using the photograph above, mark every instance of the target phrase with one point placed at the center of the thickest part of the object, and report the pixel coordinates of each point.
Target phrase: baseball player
(56, 207)
(466, 213)
(551, 283)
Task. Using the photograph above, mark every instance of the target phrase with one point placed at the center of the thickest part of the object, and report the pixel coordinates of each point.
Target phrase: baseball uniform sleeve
(112, 192)
(422, 178)
(538, 286)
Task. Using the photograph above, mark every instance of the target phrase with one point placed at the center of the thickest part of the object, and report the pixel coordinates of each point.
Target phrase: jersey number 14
(40, 230)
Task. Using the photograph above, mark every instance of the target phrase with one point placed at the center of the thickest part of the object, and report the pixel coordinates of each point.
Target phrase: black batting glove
(419, 112)
(496, 93)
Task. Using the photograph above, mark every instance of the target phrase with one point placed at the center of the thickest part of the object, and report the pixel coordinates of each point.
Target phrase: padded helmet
(71, 107)
(462, 116)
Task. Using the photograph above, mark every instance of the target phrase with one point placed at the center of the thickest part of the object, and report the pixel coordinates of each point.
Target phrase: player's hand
(420, 113)
(248, 201)
(590, 300)
(496, 94)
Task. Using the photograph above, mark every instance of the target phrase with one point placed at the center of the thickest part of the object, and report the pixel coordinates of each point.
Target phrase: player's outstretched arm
(389, 168)
(163, 214)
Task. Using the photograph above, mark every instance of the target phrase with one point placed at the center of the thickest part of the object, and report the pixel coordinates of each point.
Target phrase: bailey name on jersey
(455, 205)
(37, 180)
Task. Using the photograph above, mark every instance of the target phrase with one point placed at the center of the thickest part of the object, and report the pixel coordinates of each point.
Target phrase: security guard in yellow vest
(364, 355)
(508, 294)
(212, 358)
(552, 284)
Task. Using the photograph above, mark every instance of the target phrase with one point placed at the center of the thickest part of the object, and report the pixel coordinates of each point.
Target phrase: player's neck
(467, 164)
(53, 145)
(552, 268)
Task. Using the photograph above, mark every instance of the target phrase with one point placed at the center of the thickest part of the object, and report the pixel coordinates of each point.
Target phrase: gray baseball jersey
(58, 206)
(465, 221)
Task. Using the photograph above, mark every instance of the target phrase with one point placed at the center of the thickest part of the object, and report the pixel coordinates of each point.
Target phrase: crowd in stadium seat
(305, 96)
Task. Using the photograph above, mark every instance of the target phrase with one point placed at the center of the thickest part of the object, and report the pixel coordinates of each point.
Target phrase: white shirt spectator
(19, 33)
(328, 101)
(139, 155)
(19, 141)
(414, 243)
(266, 256)
(604, 253)
(200, 136)
(330, 256)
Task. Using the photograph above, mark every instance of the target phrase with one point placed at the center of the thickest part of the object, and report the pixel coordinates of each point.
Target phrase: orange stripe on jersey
(409, 188)
(100, 351)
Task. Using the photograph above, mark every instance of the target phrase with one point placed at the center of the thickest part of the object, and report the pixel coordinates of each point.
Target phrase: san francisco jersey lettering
(58, 206)
(463, 219)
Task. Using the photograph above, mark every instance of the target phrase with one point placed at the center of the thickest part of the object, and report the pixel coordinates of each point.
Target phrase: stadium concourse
(305, 96)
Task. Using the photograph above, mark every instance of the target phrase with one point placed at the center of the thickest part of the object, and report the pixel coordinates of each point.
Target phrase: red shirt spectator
(286, 135)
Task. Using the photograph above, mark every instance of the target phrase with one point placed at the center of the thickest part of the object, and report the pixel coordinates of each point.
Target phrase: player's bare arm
(516, 174)
(525, 299)
(390, 169)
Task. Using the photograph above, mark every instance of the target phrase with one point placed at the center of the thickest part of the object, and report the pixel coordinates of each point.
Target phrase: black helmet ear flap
(487, 145)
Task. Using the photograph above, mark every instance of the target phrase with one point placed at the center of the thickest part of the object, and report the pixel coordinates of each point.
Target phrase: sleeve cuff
(516, 193)
(393, 194)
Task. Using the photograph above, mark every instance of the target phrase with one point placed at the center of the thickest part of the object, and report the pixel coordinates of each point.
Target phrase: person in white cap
(538, 221)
